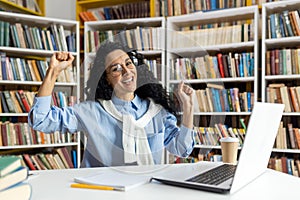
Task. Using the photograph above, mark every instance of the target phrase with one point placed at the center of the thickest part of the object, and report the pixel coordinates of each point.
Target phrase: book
(9, 164)
(13, 178)
(118, 180)
(21, 191)
(29, 162)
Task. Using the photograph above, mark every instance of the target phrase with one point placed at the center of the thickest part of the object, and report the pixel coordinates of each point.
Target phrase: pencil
(96, 187)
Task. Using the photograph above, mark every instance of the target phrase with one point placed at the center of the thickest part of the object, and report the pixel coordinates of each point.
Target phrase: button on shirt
(104, 132)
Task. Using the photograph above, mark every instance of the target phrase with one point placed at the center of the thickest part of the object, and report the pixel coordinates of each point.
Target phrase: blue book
(53, 42)
(1, 33)
(70, 45)
(216, 99)
(289, 167)
(241, 66)
(272, 26)
(3, 65)
(213, 4)
(226, 103)
(107, 13)
(26, 70)
(281, 24)
(216, 68)
(249, 101)
(142, 40)
(61, 97)
(251, 67)
(74, 157)
(13, 68)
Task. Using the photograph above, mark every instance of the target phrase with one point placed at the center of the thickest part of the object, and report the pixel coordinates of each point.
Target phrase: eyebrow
(114, 64)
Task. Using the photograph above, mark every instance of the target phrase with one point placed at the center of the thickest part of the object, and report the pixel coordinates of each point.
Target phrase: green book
(243, 124)
(9, 164)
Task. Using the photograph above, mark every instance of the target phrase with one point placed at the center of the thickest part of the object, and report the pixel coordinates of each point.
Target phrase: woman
(128, 117)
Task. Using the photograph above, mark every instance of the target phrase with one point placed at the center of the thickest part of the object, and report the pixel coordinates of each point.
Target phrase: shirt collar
(135, 103)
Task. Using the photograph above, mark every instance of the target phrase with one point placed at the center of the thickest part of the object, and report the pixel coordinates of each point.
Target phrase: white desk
(55, 185)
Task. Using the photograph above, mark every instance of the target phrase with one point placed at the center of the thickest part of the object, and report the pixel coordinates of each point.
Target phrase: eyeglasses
(117, 68)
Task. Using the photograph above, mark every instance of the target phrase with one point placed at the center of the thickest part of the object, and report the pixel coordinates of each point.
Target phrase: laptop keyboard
(216, 175)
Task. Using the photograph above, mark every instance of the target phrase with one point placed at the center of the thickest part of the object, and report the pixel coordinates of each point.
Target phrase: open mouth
(128, 80)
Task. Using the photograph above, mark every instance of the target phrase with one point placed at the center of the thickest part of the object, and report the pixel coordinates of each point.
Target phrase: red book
(19, 134)
(24, 100)
(33, 136)
(68, 157)
(221, 66)
(277, 59)
(4, 134)
(29, 162)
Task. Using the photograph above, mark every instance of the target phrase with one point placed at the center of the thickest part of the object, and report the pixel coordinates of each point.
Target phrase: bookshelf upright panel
(26, 46)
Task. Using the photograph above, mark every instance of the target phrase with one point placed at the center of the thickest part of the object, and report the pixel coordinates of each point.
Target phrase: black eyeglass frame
(137, 58)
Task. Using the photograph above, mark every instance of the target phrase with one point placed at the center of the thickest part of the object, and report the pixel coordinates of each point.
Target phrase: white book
(288, 61)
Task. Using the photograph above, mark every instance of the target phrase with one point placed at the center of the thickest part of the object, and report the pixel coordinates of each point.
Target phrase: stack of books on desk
(12, 177)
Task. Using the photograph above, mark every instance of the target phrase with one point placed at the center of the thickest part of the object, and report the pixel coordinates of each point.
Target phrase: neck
(126, 97)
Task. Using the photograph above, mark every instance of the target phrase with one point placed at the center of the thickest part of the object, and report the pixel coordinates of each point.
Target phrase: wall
(62, 9)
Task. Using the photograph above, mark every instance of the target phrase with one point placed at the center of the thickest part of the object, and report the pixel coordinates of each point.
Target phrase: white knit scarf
(135, 142)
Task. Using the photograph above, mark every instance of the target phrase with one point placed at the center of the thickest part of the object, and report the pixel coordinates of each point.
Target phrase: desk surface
(55, 184)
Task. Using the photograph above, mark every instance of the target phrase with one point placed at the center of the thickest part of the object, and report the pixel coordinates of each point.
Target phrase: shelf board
(31, 52)
(286, 150)
(209, 146)
(286, 41)
(283, 77)
(189, 50)
(223, 113)
(13, 82)
(13, 114)
(274, 150)
(215, 80)
(38, 146)
(291, 114)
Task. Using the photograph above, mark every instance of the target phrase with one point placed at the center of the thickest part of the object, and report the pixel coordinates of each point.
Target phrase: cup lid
(229, 139)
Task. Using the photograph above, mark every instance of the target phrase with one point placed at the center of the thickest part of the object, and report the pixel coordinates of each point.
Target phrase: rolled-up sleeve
(178, 140)
(47, 118)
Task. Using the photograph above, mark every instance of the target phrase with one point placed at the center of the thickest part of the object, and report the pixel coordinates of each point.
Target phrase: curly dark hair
(147, 85)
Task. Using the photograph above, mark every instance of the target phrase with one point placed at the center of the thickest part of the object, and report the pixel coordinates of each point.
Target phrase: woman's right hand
(60, 61)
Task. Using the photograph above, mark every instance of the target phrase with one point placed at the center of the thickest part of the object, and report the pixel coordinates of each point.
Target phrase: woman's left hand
(185, 94)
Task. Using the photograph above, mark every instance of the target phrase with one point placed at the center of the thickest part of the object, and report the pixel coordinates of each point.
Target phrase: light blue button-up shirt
(104, 132)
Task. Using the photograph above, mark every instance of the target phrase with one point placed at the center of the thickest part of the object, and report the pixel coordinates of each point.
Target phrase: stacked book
(12, 177)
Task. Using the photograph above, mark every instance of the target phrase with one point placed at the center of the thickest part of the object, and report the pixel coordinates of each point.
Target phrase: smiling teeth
(128, 80)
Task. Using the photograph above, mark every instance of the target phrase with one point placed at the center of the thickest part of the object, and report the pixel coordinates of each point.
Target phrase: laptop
(253, 159)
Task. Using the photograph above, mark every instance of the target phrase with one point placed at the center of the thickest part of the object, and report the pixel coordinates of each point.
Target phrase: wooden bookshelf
(14, 7)
(84, 5)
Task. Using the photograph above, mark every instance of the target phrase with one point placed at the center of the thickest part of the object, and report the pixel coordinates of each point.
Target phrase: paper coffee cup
(229, 148)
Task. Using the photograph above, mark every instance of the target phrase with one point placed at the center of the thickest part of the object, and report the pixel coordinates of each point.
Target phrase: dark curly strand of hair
(147, 85)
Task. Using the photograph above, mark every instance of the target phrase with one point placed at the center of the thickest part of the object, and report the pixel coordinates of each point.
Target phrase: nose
(125, 70)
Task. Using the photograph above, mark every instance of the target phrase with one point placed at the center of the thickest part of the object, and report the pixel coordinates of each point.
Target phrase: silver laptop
(253, 159)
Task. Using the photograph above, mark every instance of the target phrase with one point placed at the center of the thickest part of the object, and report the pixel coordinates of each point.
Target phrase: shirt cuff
(187, 139)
